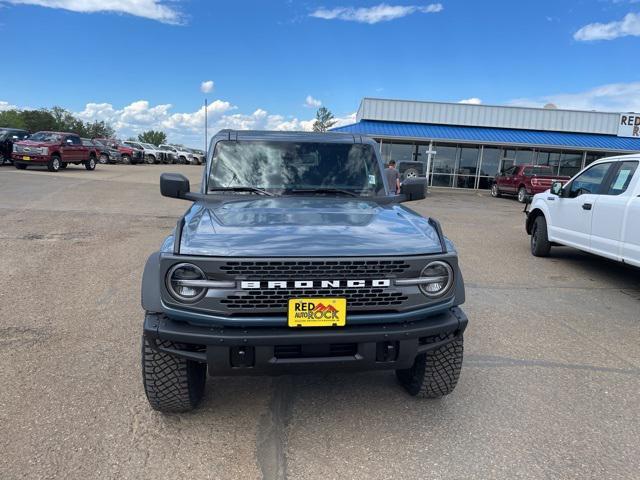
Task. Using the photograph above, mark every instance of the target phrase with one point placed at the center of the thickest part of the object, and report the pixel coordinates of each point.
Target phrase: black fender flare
(150, 295)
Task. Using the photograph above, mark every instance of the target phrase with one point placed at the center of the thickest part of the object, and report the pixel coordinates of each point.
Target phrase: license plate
(26, 158)
(317, 312)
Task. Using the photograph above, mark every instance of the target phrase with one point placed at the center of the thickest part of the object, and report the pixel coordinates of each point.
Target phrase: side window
(622, 178)
(75, 140)
(589, 181)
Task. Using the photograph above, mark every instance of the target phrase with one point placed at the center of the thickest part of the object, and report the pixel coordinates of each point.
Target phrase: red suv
(55, 150)
(524, 181)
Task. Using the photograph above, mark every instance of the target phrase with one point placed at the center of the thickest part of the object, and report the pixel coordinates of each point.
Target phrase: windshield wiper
(339, 191)
(241, 189)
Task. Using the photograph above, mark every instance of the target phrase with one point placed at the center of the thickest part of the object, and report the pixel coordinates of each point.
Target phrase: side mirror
(556, 188)
(174, 185)
(414, 188)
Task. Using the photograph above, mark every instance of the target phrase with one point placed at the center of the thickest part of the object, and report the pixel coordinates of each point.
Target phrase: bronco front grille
(306, 269)
(369, 298)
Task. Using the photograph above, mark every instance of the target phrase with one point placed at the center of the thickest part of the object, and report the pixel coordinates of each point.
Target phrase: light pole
(206, 134)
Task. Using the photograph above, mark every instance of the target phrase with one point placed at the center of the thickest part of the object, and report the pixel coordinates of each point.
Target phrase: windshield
(45, 137)
(148, 145)
(528, 171)
(279, 167)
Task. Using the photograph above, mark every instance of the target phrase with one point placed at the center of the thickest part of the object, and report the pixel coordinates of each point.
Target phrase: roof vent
(550, 106)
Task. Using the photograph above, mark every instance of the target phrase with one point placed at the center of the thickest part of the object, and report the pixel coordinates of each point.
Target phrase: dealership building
(464, 146)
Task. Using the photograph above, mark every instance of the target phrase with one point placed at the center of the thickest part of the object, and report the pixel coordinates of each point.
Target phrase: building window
(444, 161)
(570, 163)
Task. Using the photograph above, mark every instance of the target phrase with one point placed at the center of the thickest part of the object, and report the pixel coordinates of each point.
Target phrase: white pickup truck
(597, 211)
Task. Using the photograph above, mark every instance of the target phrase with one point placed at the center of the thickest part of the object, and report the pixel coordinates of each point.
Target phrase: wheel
(90, 164)
(495, 191)
(172, 384)
(182, 160)
(150, 159)
(126, 159)
(20, 166)
(522, 195)
(103, 159)
(540, 244)
(436, 373)
(411, 173)
(54, 164)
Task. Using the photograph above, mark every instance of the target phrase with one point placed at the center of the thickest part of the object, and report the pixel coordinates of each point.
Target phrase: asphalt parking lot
(549, 387)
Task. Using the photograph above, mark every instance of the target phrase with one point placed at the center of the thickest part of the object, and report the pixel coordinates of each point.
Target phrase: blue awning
(501, 136)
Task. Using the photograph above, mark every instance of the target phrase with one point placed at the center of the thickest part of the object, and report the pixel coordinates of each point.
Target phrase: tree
(12, 119)
(154, 137)
(99, 129)
(324, 120)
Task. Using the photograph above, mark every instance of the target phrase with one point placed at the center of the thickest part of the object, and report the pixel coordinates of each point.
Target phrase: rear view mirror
(69, 141)
(174, 185)
(556, 188)
(414, 188)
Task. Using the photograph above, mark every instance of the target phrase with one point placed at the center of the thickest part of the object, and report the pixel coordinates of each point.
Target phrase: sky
(149, 64)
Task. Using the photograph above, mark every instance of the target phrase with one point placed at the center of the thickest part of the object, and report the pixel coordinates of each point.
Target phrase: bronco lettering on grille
(275, 284)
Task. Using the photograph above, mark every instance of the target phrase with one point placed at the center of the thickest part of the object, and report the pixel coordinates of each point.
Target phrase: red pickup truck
(524, 181)
(55, 150)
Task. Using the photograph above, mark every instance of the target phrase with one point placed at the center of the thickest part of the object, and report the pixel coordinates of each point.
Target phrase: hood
(305, 226)
(30, 143)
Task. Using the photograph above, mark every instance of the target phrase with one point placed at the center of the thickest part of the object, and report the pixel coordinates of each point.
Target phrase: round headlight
(182, 282)
(437, 279)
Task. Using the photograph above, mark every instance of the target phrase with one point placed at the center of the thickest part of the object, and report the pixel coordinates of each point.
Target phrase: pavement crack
(472, 360)
(271, 438)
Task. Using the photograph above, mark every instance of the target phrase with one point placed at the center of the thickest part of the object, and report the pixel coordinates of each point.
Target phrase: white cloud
(312, 102)
(628, 26)
(471, 101)
(206, 86)
(613, 97)
(6, 106)
(188, 127)
(379, 13)
(151, 9)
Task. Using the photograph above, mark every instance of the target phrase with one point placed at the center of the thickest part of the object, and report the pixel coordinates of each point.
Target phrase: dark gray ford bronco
(295, 258)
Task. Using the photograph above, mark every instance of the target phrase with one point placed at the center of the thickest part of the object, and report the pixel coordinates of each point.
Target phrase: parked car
(353, 280)
(159, 156)
(411, 169)
(524, 181)
(597, 211)
(197, 156)
(181, 155)
(169, 154)
(108, 151)
(55, 150)
(146, 157)
(129, 155)
(7, 137)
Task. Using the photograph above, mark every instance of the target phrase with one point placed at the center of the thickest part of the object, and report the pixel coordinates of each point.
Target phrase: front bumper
(33, 159)
(278, 350)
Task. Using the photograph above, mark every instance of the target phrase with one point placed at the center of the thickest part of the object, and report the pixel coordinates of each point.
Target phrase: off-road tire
(411, 173)
(540, 244)
(182, 160)
(522, 195)
(150, 159)
(20, 166)
(54, 163)
(495, 191)
(90, 164)
(172, 384)
(103, 159)
(434, 374)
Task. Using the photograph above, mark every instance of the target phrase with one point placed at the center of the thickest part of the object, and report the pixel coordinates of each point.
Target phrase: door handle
(587, 206)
